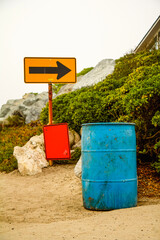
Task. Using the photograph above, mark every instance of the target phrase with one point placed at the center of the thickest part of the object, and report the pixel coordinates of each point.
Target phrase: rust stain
(90, 199)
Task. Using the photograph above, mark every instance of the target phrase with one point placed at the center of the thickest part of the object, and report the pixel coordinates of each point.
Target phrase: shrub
(15, 120)
(156, 165)
(75, 156)
(84, 71)
(56, 87)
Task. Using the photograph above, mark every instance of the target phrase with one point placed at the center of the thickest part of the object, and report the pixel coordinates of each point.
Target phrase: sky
(88, 30)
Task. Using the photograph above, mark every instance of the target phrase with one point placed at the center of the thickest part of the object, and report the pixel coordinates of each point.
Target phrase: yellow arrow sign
(49, 70)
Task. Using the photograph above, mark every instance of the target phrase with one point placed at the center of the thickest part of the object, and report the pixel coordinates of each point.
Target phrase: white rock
(71, 138)
(74, 138)
(97, 74)
(30, 106)
(31, 157)
(78, 168)
(81, 131)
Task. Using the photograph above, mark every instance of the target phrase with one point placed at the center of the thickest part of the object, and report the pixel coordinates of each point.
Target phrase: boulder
(31, 157)
(81, 131)
(71, 138)
(74, 138)
(30, 106)
(78, 168)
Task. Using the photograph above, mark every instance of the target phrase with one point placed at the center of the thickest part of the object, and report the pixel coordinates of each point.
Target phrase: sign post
(50, 110)
(49, 70)
(50, 103)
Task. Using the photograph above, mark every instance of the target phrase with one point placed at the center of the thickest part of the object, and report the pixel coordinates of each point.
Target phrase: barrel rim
(108, 123)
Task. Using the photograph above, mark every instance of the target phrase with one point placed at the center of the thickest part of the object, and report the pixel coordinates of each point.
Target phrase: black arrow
(61, 70)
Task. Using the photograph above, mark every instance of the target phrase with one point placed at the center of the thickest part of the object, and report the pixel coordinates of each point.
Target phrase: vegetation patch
(15, 136)
(56, 87)
(84, 71)
(15, 120)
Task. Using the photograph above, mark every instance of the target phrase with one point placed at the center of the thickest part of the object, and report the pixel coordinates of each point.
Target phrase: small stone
(78, 144)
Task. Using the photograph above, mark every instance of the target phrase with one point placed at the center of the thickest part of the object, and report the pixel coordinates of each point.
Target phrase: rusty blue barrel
(109, 168)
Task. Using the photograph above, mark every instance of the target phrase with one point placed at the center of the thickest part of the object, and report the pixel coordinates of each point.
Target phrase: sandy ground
(49, 206)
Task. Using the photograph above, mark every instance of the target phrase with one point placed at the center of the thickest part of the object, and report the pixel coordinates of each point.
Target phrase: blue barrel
(109, 168)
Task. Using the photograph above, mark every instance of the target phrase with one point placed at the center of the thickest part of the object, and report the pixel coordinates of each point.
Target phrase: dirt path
(49, 206)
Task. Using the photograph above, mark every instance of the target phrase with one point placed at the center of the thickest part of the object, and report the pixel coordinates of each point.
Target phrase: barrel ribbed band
(110, 181)
(110, 150)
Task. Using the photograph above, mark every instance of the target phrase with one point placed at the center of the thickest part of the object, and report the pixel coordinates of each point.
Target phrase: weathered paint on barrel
(109, 170)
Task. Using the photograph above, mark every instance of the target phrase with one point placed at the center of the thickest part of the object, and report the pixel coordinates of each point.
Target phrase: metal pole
(50, 103)
(50, 110)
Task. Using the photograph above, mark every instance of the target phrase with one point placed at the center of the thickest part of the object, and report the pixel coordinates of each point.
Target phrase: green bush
(130, 94)
(156, 165)
(56, 87)
(84, 71)
(15, 120)
(75, 156)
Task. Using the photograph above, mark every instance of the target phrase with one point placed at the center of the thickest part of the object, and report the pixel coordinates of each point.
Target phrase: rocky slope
(30, 106)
